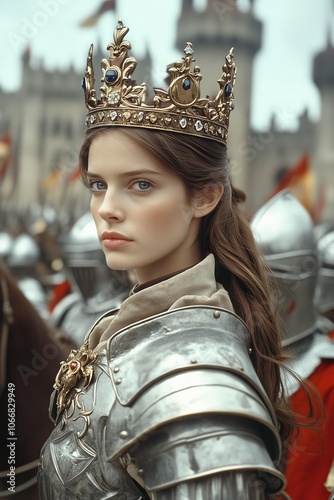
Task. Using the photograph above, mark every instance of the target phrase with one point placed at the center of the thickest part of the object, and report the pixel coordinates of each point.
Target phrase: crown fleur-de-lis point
(180, 108)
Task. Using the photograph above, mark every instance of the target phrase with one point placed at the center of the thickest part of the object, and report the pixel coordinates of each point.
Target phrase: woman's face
(144, 218)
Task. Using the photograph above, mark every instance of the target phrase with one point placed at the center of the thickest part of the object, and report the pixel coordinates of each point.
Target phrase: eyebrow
(130, 173)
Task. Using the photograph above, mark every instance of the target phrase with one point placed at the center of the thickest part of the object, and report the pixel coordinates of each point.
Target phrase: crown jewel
(179, 109)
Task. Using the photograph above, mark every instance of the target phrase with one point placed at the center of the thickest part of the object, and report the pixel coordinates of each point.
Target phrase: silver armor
(97, 288)
(6, 243)
(42, 218)
(170, 408)
(284, 232)
(325, 284)
(23, 261)
(24, 254)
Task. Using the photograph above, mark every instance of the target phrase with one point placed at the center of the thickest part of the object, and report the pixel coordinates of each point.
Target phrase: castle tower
(323, 71)
(213, 32)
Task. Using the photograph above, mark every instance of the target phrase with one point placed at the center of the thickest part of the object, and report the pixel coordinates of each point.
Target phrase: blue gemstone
(186, 84)
(111, 75)
(228, 90)
(232, 106)
(83, 83)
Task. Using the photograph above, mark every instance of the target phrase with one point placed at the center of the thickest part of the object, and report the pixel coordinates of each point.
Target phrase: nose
(111, 206)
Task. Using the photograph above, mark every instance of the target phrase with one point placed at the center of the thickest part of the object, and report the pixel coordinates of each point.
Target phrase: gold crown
(180, 109)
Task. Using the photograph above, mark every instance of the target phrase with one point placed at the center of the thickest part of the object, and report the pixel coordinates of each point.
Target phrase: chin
(118, 263)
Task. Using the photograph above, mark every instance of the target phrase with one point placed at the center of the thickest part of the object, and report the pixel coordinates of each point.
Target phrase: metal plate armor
(325, 284)
(25, 253)
(284, 232)
(85, 261)
(75, 317)
(97, 288)
(174, 409)
(6, 243)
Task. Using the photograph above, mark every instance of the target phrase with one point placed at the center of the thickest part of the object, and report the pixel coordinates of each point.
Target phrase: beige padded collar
(194, 286)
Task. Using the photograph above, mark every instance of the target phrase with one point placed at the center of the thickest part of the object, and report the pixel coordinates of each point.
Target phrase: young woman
(172, 396)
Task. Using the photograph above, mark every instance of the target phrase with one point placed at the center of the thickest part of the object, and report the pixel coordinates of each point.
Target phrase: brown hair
(226, 233)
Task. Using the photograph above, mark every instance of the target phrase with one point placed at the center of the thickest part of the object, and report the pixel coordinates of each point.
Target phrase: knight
(6, 243)
(95, 288)
(178, 393)
(23, 261)
(325, 289)
(285, 233)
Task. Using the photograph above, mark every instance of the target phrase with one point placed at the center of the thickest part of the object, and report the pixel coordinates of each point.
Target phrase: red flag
(74, 175)
(301, 181)
(5, 151)
(108, 5)
(293, 176)
(52, 179)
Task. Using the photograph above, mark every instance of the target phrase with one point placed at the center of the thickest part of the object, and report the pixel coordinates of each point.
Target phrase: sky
(294, 31)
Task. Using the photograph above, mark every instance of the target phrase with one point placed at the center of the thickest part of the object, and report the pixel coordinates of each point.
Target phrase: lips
(114, 236)
(114, 240)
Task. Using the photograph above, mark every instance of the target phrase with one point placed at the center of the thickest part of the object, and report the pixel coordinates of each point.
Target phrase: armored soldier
(285, 233)
(96, 288)
(23, 263)
(6, 243)
(178, 394)
(325, 288)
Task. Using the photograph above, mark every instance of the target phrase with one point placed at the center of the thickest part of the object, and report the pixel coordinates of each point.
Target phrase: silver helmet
(24, 255)
(325, 284)
(6, 244)
(284, 231)
(84, 259)
(42, 218)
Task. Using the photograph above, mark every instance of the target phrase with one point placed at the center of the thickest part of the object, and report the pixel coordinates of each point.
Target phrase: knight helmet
(325, 284)
(284, 232)
(85, 261)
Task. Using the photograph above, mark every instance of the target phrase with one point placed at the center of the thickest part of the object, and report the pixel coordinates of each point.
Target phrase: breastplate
(72, 463)
(172, 400)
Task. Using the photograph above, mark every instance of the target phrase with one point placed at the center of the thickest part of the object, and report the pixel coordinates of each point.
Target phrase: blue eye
(143, 185)
(97, 186)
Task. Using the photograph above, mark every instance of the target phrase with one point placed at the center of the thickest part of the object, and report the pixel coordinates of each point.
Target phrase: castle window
(69, 130)
(56, 127)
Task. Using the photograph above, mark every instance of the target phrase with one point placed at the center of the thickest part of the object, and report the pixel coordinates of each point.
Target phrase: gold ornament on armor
(179, 109)
(76, 367)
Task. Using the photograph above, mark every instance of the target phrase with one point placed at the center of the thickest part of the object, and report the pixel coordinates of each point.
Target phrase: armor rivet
(250, 350)
(116, 369)
(118, 381)
(123, 434)
(193, 361)
(140, 472)
(216, 314)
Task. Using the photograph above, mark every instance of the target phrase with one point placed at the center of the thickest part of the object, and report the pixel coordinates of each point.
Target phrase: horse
(30, 355)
